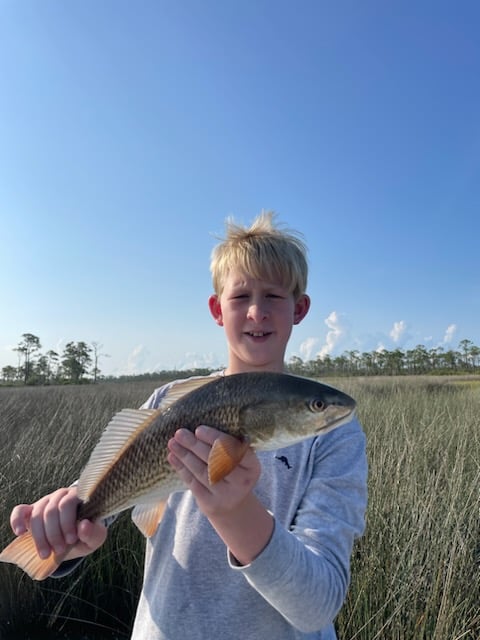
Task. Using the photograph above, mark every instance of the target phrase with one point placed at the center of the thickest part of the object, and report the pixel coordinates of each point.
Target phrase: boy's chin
(263, 364)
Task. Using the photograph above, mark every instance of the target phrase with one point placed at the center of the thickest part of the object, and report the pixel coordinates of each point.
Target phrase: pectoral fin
(23, 552)
(225, 455)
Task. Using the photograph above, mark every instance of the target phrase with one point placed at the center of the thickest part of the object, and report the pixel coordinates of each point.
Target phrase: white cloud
(192, 360)
(307, 347)
(142, 360)
(137, 360)
(398, 330)
(449, 333)
(336, 334)
(60, 345)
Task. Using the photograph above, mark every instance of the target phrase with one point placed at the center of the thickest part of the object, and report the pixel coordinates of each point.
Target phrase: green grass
(415, 574)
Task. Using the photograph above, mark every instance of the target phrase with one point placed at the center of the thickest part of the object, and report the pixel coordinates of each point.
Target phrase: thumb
(91, 534)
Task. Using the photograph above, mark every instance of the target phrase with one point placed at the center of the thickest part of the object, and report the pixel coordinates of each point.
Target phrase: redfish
(129, 466)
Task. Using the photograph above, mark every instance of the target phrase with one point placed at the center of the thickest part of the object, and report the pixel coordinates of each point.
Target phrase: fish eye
(316, 405)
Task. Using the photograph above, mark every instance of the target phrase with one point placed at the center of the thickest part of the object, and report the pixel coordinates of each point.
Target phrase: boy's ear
(215, 309)
(302, 306)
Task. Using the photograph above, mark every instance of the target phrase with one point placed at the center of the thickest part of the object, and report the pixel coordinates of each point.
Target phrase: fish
(128, 468)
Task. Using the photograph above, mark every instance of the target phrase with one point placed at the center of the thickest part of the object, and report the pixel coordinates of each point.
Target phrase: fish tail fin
(23, 552)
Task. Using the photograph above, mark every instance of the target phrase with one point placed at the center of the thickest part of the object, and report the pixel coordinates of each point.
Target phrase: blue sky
(129, 131)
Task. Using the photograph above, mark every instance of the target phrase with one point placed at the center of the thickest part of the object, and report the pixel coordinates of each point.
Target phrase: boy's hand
(189, 455)
(239, 518)
(52, 521)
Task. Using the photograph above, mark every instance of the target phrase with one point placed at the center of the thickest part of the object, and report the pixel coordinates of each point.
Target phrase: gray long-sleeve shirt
(193, 588)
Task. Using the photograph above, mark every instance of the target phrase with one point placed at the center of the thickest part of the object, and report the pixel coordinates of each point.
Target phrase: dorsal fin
(120, 432)
(181, 387)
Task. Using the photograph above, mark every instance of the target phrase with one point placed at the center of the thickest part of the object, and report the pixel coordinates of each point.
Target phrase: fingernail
(71, 538)
(44, 553)
(19, 530)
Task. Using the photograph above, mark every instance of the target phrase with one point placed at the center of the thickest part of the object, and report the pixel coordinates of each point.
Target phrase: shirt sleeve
(68, 566)
(304, 571)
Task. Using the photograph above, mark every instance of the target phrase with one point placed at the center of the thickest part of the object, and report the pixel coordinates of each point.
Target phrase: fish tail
(23, 552)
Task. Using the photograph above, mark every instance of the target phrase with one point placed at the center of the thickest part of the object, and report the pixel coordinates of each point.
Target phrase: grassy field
(415, 574)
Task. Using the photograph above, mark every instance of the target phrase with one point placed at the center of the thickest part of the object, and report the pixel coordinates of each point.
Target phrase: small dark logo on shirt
(285, 461)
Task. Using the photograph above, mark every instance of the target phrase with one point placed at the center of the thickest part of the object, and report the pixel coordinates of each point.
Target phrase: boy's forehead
(239, 278)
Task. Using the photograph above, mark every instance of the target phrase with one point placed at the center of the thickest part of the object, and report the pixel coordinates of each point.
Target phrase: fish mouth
(335, 416)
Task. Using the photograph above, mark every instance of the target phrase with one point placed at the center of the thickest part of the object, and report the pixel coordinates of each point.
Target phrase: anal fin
(147, 517)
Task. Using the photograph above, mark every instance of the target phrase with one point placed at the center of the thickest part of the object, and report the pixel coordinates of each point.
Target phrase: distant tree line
(420, 360)
(79, 363)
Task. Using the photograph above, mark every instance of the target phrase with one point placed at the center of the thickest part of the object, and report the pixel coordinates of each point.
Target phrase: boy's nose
(257, 312)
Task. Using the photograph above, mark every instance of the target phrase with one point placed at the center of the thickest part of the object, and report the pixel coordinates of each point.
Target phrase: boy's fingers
(52, 521)
(187, 461)
(45, 524)
(92, 534)
(68, 517)
(207, 434)
(59, 517)
(185, 441)
(20, 518)
(37, 528)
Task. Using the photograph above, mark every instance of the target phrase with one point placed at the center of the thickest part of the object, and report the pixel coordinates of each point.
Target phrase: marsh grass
(415, 573)
(46, 435)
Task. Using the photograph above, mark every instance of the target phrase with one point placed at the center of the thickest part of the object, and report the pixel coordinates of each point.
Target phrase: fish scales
(142, 466)
(219, 404)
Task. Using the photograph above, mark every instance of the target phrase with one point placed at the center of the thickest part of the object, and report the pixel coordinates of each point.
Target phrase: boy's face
(258, 317)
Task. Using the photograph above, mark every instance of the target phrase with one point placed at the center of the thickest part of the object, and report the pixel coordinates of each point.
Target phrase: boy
(265, 552)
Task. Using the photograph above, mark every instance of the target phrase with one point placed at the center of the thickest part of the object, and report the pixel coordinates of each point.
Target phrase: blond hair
(263, 251)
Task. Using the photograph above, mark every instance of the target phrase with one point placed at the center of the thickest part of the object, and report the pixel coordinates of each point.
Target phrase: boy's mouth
(258, 334)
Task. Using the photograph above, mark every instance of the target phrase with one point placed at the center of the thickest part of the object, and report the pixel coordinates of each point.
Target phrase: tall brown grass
(415, 574)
